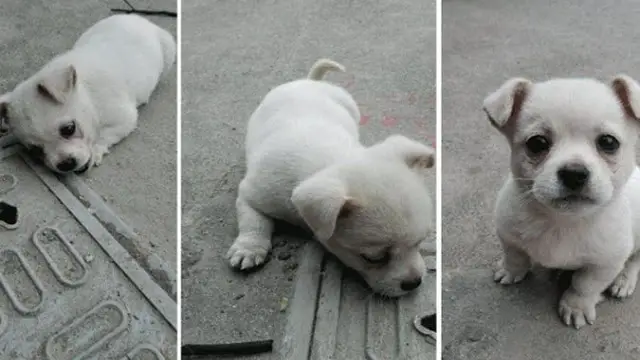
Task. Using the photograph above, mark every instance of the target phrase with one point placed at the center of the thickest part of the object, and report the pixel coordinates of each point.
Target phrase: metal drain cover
(68, 290)
(347, 321)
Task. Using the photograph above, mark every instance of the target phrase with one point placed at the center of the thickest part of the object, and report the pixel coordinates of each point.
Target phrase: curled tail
(322, 66)
(169, 47)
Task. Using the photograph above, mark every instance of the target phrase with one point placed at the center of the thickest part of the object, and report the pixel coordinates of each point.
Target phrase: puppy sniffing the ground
(572, 200)
(306, 166)
(86, 100)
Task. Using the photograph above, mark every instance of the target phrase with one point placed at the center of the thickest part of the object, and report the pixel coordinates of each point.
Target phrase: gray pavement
(130, 200)
(484, 43)
(233, 53)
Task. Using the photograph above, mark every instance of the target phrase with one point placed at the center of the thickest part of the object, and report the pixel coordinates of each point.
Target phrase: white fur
(599, 237)
(306, 166)
(111, 70)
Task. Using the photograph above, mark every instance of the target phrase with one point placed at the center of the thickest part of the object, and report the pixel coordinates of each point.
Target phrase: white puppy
(572, 200)
(306, 166)
(85, 100)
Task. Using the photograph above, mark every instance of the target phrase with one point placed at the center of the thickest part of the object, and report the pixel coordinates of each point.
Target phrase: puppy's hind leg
(625, 284)
(253, 243)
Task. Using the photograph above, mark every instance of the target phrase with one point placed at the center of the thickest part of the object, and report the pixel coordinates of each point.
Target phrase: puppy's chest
(564, 246)
(554, 247)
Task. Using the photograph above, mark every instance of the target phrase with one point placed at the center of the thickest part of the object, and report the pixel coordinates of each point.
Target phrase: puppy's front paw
(247, 253)
(576, 310)
(508, 275)
(505, 277)
(625, 284)
(97, 154)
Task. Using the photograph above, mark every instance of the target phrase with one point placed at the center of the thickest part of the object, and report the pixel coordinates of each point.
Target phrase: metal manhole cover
(67, 286)
(349, 322)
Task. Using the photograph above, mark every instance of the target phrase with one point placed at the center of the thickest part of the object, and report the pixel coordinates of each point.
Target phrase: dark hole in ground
(8, 213)
(429, 322)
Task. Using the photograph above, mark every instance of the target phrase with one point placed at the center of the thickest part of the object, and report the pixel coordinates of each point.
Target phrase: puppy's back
(127, 48)
(304, 108)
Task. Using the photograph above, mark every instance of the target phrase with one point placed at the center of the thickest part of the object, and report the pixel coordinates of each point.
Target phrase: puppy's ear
(58, 84)
(320, 201)
(416, 155)
(4, 114)
(503, 105)
(628, 92)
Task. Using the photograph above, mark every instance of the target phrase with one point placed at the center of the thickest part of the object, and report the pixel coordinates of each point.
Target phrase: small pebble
(284, 256)
(238, 297)
(475, 336)
(284, 303)
(88, 258)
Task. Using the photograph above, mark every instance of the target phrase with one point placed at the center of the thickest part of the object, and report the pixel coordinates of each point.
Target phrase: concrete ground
(484, 43)
(233, 53)
(138, 179)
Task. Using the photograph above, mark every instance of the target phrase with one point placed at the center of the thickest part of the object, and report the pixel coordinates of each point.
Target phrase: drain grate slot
(8, 216)
(429, 322)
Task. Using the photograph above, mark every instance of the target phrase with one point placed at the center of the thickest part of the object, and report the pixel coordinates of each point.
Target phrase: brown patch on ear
(421, 162)
(504, 105)
(347, 208)
(4, 118)
(519, 96)
(57, 85)
(622, 91)
(73, 81)
(412, 153)
(4, 112)
(44, 92)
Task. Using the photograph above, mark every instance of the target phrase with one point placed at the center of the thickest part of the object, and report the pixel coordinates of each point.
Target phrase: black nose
(411, 284)
(573, 176)
(67, 164)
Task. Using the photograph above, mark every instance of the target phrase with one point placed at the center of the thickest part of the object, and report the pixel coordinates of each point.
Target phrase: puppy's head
(572, 140)
(51, 118)
(373, 213)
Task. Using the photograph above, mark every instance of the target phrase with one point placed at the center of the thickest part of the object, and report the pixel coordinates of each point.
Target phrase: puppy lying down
(306, 166)
(85, 100)
(572, 200)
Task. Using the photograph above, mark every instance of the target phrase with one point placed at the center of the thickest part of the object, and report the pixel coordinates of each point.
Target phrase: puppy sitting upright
(572, 200)
(85, 100)
(306, 166)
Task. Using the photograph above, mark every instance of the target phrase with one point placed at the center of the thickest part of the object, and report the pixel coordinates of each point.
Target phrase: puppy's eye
(36, 151)
(538, 145)
(377, 260)
(608, 144)
(67, 130)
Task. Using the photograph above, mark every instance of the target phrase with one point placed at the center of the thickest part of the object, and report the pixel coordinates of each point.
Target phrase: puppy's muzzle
(573, 177)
